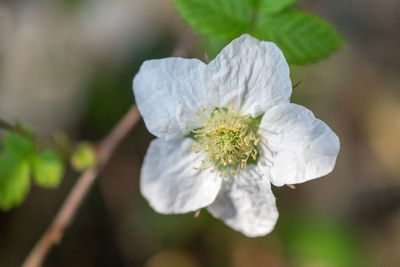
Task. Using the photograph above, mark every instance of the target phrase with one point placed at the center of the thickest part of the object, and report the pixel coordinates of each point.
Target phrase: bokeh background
(67, 65)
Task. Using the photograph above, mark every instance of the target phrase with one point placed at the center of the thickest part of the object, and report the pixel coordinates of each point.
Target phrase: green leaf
(303, 38)
(19, 145)
(275, 6)
(14, 169)
(223, 19)
(14, 180)
(255, 3)
(47, 168)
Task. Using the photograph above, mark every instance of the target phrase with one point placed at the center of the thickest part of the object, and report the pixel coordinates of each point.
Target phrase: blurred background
(67, 65)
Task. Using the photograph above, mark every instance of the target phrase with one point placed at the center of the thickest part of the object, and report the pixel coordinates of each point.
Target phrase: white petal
(295, 146)
(168, 92)
(246, 203)
(254, 74)
(169, 182)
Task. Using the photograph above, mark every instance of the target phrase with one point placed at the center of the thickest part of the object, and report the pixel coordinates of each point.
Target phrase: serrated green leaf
(47, 168)
(304, 38)
(275, 6)
(224, 19)
(14, 180)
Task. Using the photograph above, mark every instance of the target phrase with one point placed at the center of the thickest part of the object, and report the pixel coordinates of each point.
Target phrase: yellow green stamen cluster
(229, 139)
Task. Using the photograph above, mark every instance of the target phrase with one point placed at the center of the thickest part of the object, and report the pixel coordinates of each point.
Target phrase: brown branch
(106, 148)
(56, 230)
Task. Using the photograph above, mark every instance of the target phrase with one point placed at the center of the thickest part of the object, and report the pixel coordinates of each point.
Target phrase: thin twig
(17, 127)
(106, 148)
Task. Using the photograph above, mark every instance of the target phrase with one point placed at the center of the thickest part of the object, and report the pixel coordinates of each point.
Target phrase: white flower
(225, 131)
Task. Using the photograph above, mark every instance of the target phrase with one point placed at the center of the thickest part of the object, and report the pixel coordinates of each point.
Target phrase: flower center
(230, 140)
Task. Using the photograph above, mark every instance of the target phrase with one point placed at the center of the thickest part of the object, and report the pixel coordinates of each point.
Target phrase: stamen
(229, 139)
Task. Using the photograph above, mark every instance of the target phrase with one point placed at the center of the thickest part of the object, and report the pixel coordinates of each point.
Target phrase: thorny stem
(197, 214)
(291, 186)
(297, 84)
(55, 231)
(206, 58)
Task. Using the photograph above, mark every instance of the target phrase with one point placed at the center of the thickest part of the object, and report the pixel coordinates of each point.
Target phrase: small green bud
(84, 157)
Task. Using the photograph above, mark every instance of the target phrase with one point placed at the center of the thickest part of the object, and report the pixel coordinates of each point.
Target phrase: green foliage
(224, 19)
(84, 157)
(304, 38)
(255, 3)
(19, 159)
(47, 168)
(14, 170)
(275, 6)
